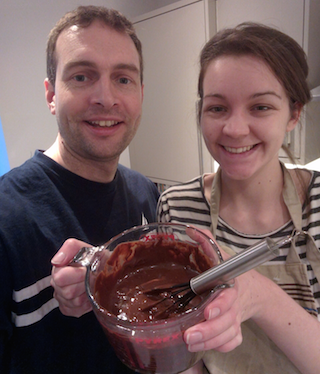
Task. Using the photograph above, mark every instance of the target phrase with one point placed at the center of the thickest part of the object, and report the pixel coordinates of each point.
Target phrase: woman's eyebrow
(219, 96)
(264, 93)
(255, 95)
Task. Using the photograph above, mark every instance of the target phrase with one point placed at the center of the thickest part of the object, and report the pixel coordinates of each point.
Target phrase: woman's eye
(261, 107)
(216, 109)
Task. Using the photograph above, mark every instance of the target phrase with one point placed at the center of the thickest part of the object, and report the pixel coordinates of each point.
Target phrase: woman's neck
(255, 205)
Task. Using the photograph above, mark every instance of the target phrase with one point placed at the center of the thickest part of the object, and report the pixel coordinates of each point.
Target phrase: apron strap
(215, 201)
(291, 198)
(312, 251)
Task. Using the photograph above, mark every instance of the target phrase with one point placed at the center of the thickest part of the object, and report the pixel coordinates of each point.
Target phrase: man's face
(98, 95)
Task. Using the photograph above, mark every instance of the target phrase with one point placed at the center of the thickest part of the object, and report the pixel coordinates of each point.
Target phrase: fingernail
(213, 313)
(194, 337)
(58, 258)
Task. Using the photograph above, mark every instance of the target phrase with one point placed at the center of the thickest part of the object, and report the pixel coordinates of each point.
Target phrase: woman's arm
(287, 324)
(254, 296)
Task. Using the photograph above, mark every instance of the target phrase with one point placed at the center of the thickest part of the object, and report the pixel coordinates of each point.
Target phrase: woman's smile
(245, 115)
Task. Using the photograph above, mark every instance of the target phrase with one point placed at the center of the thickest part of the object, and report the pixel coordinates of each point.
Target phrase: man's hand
(69, 282)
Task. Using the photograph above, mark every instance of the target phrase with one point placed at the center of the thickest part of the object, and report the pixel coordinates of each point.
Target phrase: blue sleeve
(6, 326)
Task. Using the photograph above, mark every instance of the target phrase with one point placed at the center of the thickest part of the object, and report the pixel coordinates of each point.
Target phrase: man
(74, 189)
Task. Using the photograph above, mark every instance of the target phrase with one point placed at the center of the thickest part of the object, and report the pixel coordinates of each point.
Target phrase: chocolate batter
(134, 268)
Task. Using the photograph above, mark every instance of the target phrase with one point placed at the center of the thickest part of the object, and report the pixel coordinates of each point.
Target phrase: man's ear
(50, 96)
(295, 116)
(142, 92)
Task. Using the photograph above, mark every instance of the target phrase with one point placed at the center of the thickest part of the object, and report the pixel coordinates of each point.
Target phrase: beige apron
(257, 353)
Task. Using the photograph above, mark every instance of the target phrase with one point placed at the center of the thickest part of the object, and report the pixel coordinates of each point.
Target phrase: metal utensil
(218, 276)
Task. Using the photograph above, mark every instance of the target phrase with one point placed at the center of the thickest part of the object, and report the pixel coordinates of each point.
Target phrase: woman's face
(245, 115)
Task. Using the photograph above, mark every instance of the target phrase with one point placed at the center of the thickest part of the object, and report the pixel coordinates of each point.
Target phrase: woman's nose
(236, 125)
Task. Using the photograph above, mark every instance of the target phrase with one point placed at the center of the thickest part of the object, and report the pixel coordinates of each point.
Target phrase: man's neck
(102, 172)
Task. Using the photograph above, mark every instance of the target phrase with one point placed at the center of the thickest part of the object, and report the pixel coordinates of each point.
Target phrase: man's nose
(237, 125)
(104, 93)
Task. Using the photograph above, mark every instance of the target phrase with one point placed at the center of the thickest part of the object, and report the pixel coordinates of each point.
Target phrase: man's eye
(124, 80)
(80, 78)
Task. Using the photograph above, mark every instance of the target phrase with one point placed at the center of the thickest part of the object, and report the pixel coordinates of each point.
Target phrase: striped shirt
(186, 203)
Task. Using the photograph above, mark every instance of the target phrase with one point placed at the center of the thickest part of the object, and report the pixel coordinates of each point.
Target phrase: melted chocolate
(134, 268)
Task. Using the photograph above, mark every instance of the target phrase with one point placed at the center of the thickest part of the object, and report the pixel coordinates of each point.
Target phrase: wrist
(255, 292)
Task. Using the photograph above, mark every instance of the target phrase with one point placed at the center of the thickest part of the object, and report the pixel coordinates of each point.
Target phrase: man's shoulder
(137, 184)
(22, 175)
(129, 173)
(133, 176)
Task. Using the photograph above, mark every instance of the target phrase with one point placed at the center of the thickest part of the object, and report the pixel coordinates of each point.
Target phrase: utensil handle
(86, 256)
(246, 260)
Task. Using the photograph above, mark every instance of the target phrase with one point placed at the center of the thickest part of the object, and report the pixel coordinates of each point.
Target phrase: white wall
(24, 26)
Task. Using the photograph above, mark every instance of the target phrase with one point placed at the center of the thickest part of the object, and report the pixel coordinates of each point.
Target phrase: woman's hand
(69, 282)
(221, 330)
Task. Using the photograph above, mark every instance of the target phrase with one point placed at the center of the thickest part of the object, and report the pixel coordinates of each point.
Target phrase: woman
(252, 88)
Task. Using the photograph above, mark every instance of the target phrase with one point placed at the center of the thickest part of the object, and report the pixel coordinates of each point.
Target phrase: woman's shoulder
(305, 181)
(185, 188)
(188, 193)
(314, 182)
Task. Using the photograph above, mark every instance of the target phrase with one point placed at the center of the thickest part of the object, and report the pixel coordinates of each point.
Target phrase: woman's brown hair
(279, 51)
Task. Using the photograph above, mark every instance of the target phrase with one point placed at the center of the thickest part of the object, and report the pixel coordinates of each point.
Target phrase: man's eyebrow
(130, 67)
(85, 63)
(79, 63)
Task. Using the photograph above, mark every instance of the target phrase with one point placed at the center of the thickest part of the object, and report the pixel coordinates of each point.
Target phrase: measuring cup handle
(85, 256)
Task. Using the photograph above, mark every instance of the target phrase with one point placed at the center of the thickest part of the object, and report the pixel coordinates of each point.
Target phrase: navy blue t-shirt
(41, 205)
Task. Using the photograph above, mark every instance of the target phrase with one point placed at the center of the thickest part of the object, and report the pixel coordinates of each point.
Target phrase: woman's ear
(50, 95)
(295, 116)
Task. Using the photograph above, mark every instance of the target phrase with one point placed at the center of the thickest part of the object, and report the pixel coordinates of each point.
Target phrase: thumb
(68, 250)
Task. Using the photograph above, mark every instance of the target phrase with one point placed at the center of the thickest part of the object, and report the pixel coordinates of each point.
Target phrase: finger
(225, 342)
(67, 276)
(224, 339)
(208, 330)
(220, 315)
(232, 344)
(68, 250)
(206, 241)
(74, 312)
(222, 303)
(76, 307)
(71, 302)
(69, 292)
